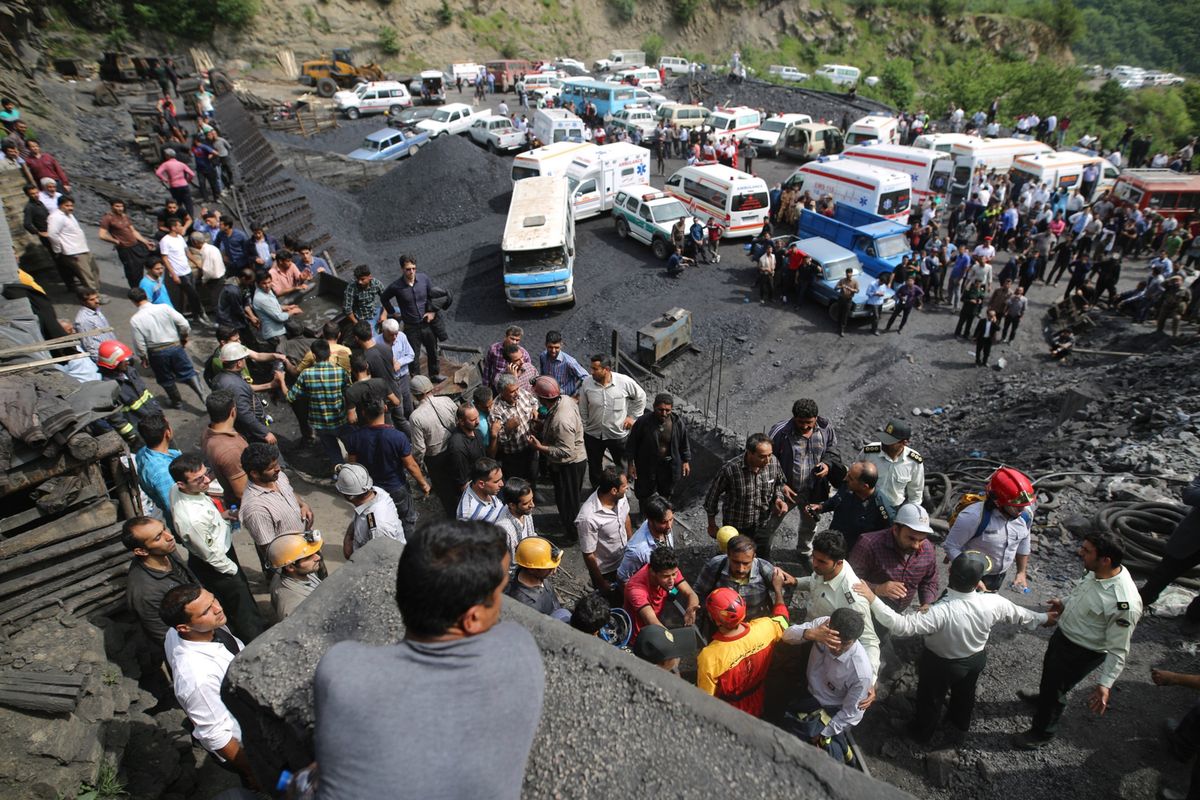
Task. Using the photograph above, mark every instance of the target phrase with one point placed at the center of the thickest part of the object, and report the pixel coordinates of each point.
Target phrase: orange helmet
(726, 607)
(113, 354)
(1011, 487)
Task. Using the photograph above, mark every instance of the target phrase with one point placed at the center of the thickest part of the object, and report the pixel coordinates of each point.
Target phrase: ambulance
(930, 170)
(886, 192)
(736, 200)
(595, 177)
(874, 127)
(992, 155)
(553, 159)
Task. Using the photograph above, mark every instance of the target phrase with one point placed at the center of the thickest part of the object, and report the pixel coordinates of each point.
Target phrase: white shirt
(66, 237)
(1001, 540)
(980, 271)
(901, 480)
(823, 597)
(958, 624)
(155, 324)
(603, 531)
(604, 408)
(515, 529)
(174, 249)
(377, 519)
(212, 265)
(840, 682)
(198, 669)
(984, 251)
(472, 506)
(205, 533)
(50, 201)
(1114, 158)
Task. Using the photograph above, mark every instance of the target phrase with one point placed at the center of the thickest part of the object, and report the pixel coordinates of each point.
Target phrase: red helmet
(113, 354)
(1011, 487)
(726, 607)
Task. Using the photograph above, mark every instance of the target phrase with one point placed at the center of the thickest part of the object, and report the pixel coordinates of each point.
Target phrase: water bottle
(236, 523)
(301, 785)
(1024, 590)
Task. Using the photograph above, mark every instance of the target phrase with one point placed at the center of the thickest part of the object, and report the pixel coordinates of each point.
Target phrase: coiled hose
(1144, 528)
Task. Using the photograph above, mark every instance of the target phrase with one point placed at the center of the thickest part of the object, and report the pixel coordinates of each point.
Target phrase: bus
(553, 159)
(882, 191)
(538, 248)
(1161, 191)
(608, 98)
(930, 170)
(736, 200)
(507, 71)
(992, 155)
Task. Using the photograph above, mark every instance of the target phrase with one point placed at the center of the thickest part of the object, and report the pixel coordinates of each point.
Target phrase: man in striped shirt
(561, 366)
(323, 384)
(480, 500)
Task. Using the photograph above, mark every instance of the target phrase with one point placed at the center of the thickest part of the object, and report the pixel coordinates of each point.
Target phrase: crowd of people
(386, 432)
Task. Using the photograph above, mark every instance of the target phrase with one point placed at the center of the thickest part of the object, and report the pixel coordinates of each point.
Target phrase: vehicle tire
(493, 149)
(413, 150)
(622, 228)
(352, 113)
(326, 87)
(662, 250)
(395, 110)
(833, 311)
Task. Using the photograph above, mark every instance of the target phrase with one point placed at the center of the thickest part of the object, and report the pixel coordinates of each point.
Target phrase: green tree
(194, 21)
(653, 46)
(896, 82)
(1064, 19)
(684, 10)
(389, 42)
(625, 8)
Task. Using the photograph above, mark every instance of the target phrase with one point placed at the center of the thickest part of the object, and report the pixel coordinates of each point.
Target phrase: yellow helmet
(724, 534)
(291, 547)
(535, 552)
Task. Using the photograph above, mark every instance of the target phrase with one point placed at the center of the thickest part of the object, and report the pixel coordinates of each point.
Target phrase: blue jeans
(171, 365)
(330, 445)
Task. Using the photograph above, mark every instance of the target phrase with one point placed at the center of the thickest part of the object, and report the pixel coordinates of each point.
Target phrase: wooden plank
(70, 566)
(17, 520)
(114, 566)
(55, 677)
(64, 548)
(37, 702)
(109, 444)
(42, 362)
(51, 690)
(98, 515)
(40, 597)
(50, 344)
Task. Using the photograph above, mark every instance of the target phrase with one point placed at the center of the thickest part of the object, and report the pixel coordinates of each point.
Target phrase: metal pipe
(720, 372)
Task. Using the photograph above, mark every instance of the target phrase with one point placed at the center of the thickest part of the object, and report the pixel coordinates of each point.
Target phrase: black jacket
(641, 447)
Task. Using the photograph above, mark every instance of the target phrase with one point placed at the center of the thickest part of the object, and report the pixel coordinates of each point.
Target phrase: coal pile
(449, 183)
(343, 139)
(773, 97)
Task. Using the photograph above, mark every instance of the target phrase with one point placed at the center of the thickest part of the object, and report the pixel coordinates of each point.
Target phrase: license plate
(538, 305)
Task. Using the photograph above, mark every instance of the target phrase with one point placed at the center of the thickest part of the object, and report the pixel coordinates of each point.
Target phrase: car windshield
(572, 184)
(750, 201)
(369, 144)
(891, 246)
(836, 270)
(543, 260)
(773, 126)
(894, 202)
(668, 212)
(521, 173)
(441, 115)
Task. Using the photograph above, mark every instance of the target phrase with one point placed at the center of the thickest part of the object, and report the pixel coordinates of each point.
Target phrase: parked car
(388, 144)
(562, 62)
(496, 133)
(376, 97)
(771, 134)
(636, 117)
(648, 215)
(786, 73)
(675, 65)
(451, 118)
(834, 260)
(410, 116)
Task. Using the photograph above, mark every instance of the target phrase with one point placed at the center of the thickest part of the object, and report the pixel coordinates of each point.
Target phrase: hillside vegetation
(1156, 34)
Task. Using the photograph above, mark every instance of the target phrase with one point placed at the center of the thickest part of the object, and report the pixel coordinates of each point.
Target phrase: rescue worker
(1095, 626)
(901, 469)
(956, 630)
(297, 558)
(733, 666)
(136, 402)
(998, 527)
(375, 513)
(531, 584)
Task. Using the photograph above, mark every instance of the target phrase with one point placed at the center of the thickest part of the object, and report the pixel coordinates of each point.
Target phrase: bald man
(857, 508)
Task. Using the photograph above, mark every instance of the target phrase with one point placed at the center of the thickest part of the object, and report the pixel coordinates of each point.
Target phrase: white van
(768, 137)
(553, 159)
(374, 97)
(674, 65)
(735, 122)
(541, 80)
(874, 127)
(596, 176)
(682, 115)
(734, 199)
(840, 74)
(1063, 169)
(787, 73)
(942, 142)
(551, 125)
(538, 248)
(930, 170)
(866, 187)
(993, 155)
(646, 77)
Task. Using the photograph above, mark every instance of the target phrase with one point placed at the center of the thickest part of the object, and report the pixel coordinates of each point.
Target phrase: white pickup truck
(451, 118)
(496, 133)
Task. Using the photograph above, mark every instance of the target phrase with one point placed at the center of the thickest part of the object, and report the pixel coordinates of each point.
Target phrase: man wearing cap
(251, 414)
(857, 507)
(1095, 627)
(899, 563)
(998, 527)
(981, 269)
(956, 630)
(664, 646)
(749, 489)
(531, 585)
(297, 558)
(901, 469)
(657, 450)
(830, 587)
(561, 443)
(805, 446)
(375, 514)
(733, 666)
(739, 569)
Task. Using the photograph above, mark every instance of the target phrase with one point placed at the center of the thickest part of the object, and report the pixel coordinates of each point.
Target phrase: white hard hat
(353, 480)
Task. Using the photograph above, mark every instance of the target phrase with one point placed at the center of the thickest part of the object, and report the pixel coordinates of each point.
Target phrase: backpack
(970, 498)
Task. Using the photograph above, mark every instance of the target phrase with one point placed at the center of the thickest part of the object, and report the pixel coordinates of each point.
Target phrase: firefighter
(136, 402)
(998, 526)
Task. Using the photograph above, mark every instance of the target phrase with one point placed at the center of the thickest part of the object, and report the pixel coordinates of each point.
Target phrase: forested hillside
(1156, 34)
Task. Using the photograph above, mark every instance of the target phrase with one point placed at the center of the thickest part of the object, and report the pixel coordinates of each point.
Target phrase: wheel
(492, 147)
(412, 151)
(833, 311)
(622, 228)
(661, 249)
(395, 110)
(352, 113)
(326, 87)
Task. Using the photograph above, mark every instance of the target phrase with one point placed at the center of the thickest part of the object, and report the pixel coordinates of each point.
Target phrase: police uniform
(901, 480)
(1094, 630)
(823, 597)
(375, 519)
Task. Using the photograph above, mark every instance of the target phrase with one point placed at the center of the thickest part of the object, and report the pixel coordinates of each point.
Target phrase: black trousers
(1010, 324)
(438, 474)
(133, 262)
(568, 489)
(901, 311)
(1166, 572)
(843, 313)
(983, 351)
(422, 336)
(595, 449)
(935, 677)
(405, 508)
(521, 464)
(1064, 666)
(965, 318)
(655, 478)
(233, 592)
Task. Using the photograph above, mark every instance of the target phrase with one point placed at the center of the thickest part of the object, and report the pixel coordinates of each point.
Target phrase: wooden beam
(50, 344)
(42, 362)
(110, 444)
(97, 515)
(75, 544)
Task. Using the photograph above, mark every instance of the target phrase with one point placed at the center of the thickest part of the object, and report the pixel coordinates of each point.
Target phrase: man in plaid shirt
(512, 412)
(323, 384)
(495, 362)
(805, 445)
(362, 296)
(749, 489)
(899, 563)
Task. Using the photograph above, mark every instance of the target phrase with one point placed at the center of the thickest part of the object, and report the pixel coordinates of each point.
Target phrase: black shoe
(1177, 748)
(1031, 740)
(437, 378)
(1032, 698)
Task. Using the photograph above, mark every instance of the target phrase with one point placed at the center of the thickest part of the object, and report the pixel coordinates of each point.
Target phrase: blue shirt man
(638, 550)
(561, 366)
(156, 289)
(234, 245)
(270, 313)
(154, 476)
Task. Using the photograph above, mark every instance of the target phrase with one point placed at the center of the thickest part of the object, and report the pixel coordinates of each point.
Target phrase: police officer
(829, 588)
(998, 527)
(1095, 626)
(375, 514)
(901, 469)
(956, 630)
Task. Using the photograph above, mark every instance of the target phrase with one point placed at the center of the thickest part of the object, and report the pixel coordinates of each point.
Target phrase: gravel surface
(346, 137)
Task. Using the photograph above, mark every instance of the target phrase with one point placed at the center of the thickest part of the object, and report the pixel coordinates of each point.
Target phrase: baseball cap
(914, 516)
(421, 385)
(234, 351)
(896, 430)
(656, 643)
